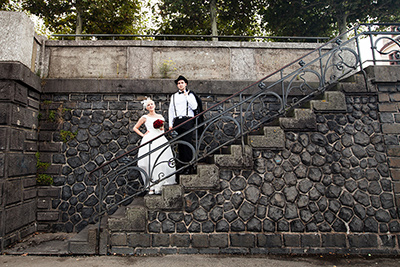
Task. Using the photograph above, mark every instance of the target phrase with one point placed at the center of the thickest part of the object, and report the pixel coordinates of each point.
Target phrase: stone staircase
(133, 218)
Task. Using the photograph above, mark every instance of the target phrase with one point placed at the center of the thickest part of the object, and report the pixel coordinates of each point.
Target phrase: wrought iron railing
(229, 121)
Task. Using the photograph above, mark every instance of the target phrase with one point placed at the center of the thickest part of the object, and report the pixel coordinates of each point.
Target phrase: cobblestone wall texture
(335, 185)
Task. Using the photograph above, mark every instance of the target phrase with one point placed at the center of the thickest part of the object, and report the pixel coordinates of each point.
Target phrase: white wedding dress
(158, 164)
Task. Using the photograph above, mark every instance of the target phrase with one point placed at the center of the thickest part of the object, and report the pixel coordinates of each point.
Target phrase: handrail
(250, 108)
(191, 36)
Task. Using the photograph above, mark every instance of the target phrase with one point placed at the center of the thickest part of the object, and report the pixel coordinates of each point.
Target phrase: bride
(160, 163)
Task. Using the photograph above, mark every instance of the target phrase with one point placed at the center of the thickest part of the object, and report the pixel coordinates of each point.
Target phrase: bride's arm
(137, 126)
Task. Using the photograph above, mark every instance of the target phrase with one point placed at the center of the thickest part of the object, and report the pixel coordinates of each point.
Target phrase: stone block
(393, 151)
(384, 74)
(13, 191)
(29, 193)
(273, 138)
(269, 240)
(333, 102)
(170, 199)
(392, 128)
(200, 241)
(46, 191)
(333, 240)
(180, 240)
(118, 239)
(19, 29)
(17, 138)
(29, 181)
(161, 240)
(5, 113)
(290, 240)
(363, 241)
(20, 94)
(18, 116)
(43, 203)
(395, 174)
(84, 242)
(207, 177)
(312, 240)
(219, 240)
(134, 220)
(243, 240)
(30, 146)
(49, 147)
(1, 165)
(47, 215)
(388, 107)
(383, 97)
(21, 164)
(394, 162)
(33, 103)
(304, 119)
(6, 89)
(31, 135)
(19, 216)
(238, 158)
(139, 240)
(4, 138)
(395, 97)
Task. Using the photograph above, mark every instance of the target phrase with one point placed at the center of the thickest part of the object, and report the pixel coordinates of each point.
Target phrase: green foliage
(323, 17)
(234, 17)
(67, 135)
(167, 68)
(98, 16)
(52, 115)
(44, 179)
(41, 167)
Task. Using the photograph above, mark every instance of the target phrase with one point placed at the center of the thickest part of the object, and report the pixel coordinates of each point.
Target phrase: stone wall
(329, 190)
(198, 60)
(19, 109)
(334, 188)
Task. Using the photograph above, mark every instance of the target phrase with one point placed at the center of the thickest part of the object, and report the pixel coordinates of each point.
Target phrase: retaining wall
(19, 108)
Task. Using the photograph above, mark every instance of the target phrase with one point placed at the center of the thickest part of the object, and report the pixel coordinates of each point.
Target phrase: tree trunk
(341, 24)
(213, 9)
(78, 21)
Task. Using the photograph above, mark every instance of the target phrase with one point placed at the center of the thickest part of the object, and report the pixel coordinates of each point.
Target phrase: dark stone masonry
(333, 187)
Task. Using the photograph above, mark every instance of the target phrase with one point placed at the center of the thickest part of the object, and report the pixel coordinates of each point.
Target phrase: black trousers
(185, 153)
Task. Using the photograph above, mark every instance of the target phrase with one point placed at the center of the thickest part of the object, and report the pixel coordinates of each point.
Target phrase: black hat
(181, 78)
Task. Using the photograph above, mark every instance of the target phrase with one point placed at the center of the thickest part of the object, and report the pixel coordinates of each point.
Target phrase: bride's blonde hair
(146, 101)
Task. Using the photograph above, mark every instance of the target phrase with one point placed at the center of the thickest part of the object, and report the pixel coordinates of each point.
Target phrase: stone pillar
(387, 80)
(17, 38)
(19, 105)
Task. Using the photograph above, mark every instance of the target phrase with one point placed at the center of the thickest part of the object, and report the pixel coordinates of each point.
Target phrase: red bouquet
(158, 124)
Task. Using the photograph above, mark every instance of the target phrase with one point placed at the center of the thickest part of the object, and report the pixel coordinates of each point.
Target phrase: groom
(181, 108)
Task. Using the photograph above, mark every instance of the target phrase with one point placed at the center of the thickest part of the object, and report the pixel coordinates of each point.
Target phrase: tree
(87, 16)
(323, 17)
(10, 5)
(231, 17)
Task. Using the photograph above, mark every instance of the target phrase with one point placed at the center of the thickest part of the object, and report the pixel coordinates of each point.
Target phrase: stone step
(303, 120)
(207, 177)
(85, 242)
(333, 102)
(171, 198)
(273, 138)
(130, 218)
(238, 158)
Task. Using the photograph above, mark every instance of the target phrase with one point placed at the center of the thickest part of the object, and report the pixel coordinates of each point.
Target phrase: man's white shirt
(183, 105)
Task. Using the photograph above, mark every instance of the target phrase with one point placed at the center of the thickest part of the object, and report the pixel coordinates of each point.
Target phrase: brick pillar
(19, 103)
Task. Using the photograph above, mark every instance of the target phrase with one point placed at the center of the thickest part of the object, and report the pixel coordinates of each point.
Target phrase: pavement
(50, 250)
